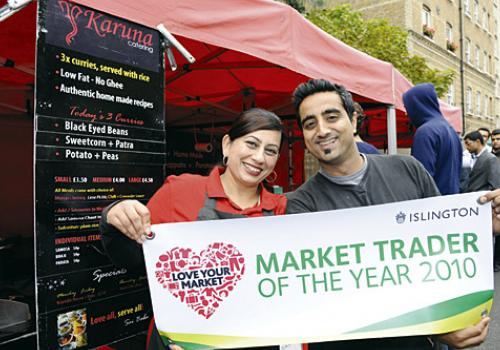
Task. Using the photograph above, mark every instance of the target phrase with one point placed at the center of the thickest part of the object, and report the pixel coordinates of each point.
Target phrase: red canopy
(248, 52)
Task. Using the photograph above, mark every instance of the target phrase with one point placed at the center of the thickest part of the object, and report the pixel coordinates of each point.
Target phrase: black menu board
(100, 137)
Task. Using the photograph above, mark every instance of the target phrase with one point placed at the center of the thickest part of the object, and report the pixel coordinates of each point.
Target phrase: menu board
(99, 137)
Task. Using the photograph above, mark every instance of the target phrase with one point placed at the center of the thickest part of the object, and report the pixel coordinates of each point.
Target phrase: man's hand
(467, 337)
(494, 198)
(132, 218)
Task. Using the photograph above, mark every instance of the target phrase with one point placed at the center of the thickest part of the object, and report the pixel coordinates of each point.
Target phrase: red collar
(268, 201)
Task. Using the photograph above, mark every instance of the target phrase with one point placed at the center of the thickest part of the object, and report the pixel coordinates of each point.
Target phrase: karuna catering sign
(323, 276)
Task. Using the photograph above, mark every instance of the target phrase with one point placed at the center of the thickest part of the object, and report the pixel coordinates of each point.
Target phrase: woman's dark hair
(255, 119)
(314, 86)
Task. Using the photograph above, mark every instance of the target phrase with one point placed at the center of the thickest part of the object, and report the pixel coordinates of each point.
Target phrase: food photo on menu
(72, 329)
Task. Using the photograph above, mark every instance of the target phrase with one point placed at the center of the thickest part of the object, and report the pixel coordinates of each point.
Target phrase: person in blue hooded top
(435, 144)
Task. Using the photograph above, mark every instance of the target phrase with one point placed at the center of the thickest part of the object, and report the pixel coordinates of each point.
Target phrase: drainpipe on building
(462, 78)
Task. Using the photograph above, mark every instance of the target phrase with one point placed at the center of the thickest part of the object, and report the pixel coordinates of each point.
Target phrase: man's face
(328, 132)
(485, 135)
(495, 142)
(472, 146)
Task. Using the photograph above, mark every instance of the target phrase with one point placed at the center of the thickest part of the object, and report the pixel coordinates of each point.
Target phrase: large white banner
(407, 268)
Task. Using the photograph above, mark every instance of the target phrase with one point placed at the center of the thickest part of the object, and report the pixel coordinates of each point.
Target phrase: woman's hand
(494, 198)
(132, 218)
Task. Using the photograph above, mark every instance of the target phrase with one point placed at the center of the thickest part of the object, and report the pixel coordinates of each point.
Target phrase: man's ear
(354, 119)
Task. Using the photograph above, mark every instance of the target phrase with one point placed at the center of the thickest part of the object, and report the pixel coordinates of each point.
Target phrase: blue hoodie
(435, 144)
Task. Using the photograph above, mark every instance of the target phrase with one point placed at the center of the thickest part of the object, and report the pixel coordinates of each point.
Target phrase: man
(495, 142)
(485, 133)
(485, 173)
(465, 171)
(435, 144)
(495, 149)
(357, 121)
(350, 179)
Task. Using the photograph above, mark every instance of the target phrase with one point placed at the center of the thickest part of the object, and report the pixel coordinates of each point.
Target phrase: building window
(427, 28)
(476, 11)
(449, 32)
(485, 19)
(486, 106)
(478, 57)
(478, 103)
(450, 44)
(467, 51)
(467, 7)
(426, 15)
(485, 62)
(450, 95)
(496, 85)
(468, 100)
(488, 22)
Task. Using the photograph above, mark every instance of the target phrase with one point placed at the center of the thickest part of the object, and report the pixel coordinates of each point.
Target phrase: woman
(250, 152)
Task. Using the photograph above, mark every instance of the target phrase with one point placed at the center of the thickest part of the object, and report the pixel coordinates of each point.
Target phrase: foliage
(379, 39)
(428, 31)
(451, 45)
(296, 4)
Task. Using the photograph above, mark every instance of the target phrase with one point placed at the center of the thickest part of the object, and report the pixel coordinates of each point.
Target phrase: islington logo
(436, 215)
(103, 26)
(201, 281)
(400, 217)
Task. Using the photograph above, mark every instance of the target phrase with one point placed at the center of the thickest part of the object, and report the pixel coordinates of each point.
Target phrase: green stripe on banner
(192, 341)
(189, 346)
(431, 313)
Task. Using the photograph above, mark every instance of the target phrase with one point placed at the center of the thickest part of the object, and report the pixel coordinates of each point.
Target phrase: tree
(296, 4)
(379, 39)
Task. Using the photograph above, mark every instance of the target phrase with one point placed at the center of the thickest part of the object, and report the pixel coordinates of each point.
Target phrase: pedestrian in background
(495, 143)
(435, 144)
(485, 174)
(495, 149)
(486, 134)
(358, 117)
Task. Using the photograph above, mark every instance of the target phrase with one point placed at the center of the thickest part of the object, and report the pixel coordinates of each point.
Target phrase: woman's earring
(272, 177)
(224, 160)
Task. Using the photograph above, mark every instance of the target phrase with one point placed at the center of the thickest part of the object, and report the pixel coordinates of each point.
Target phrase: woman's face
(252, 157)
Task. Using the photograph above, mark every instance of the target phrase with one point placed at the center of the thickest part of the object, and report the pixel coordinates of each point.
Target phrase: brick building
(450, 35)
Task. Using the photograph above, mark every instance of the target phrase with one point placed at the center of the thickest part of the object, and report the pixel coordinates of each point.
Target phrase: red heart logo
(204, 280)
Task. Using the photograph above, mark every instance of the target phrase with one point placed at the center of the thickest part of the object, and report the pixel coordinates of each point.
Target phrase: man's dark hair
(474, 136)
(314, 86)
(495, 132)
(485, 129)
(360, 117)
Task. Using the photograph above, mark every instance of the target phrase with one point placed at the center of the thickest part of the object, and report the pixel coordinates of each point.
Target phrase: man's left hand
(494, 198)
(467, 337)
